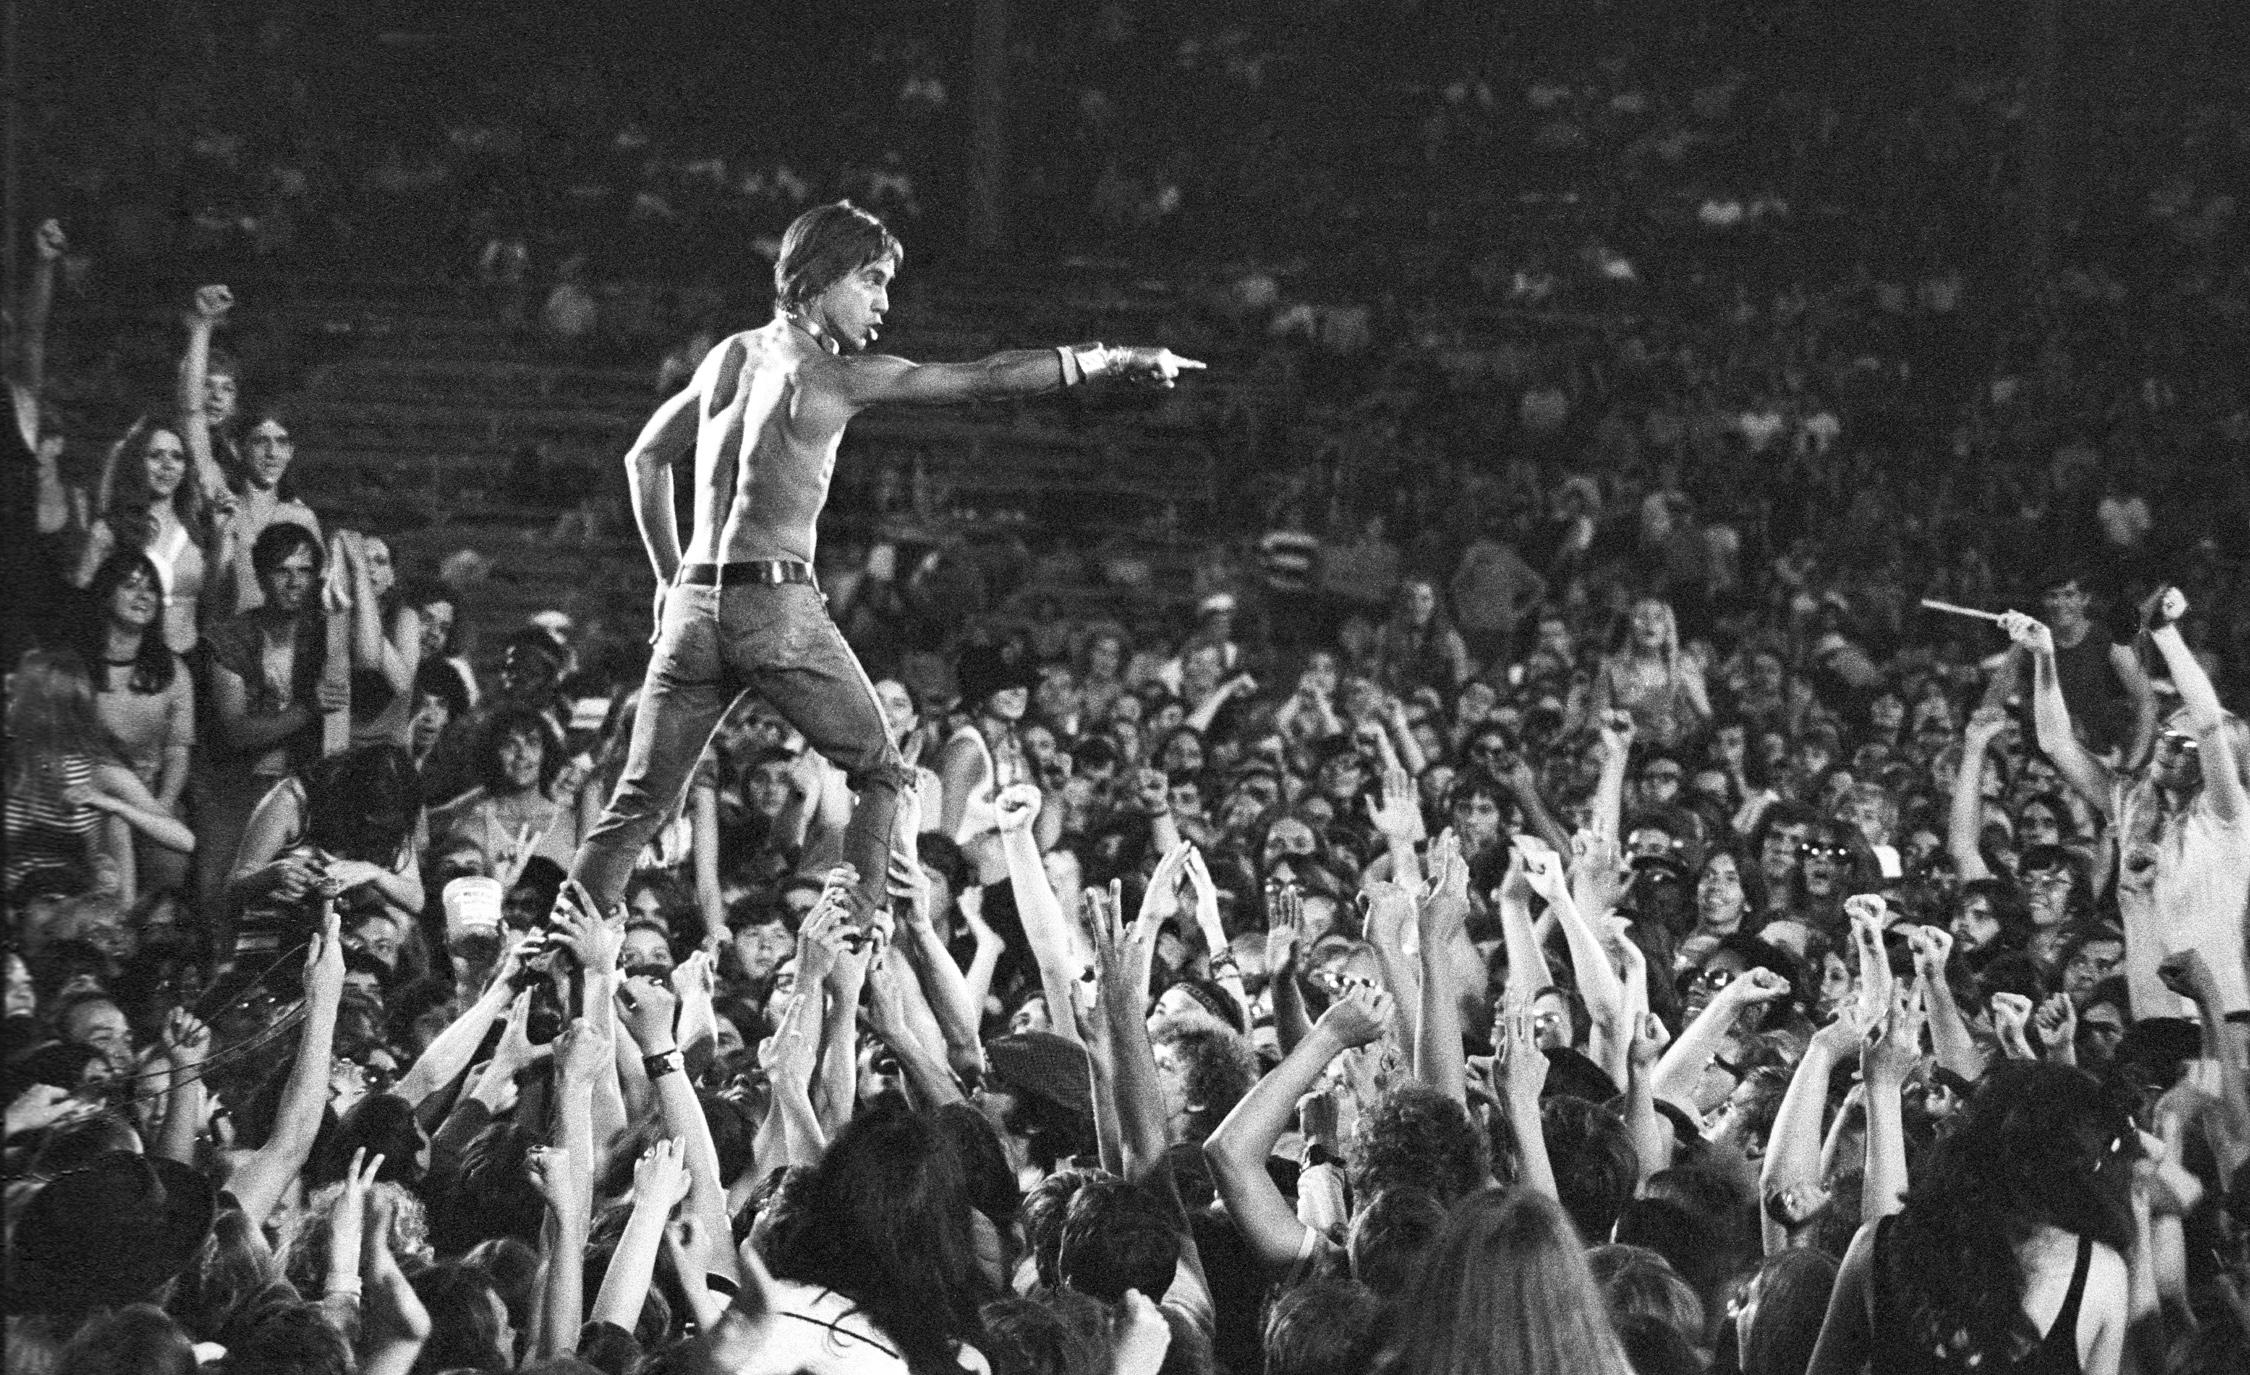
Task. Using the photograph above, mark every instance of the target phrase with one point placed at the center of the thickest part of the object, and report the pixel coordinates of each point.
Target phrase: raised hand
(515, 1051)
(2011, 1012)
(2056, 1021)
(1206, 902)
(647, 1008)
(2164, 607)
(52, 243)
(185, 1039)
(1650, 1038)
(1151, 792)
(1017, 806)
(821, 940)
(548, 1168)
(908, 886)
(2188, 974)
(1141, 1336)
(1846, 1031)
(1160, 900)
(211, 304)
(1356, 1017)
(1398, 816)
(1986, 724)
(348, 1221)
(1285, 919)
(1617, 730)
(1753, 987)
(1542, 869)
(579, 928)
(584, 1048)
(1892, 1046)
(1599, 875)
(1444, 900)
(48, 1105)
(1932, 946)
(2029, 634)
(660, 1176)
(1391, 914)
(1517, 1062)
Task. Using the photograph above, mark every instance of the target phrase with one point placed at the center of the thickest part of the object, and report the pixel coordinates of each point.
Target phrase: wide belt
(760, 572)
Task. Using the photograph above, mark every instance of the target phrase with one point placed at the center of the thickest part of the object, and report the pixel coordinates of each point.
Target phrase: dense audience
(1556, 901)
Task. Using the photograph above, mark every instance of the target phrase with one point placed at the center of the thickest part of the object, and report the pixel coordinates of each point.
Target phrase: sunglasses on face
(1835, 854)
(2174, 740)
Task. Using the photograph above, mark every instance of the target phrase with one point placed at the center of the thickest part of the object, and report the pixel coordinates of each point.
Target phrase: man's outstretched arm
(873, 381)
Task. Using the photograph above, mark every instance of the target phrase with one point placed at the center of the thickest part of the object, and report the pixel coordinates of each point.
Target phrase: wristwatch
(660, 1064)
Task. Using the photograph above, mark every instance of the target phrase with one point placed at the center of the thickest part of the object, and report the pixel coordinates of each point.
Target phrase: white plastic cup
(472, 905)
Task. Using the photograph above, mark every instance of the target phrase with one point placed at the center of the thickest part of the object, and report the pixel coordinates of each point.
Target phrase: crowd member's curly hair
(1325, 1327)
(1418, 1137)
(1221, 1068)
(2039, 1144)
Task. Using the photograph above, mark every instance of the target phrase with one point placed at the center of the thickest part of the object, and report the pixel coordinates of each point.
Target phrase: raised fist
(211, 303)
(1017, 805)
(52, 244)
(2164, 607)
(2028, 633)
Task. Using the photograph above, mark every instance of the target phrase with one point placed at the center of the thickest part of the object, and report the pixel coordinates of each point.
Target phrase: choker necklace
(812, 331)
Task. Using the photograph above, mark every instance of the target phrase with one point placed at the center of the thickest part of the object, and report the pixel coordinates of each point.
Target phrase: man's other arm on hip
(668, 436)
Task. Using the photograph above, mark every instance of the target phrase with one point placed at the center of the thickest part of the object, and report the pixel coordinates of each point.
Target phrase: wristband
(346, 1289)
(1081, 362)
(659, 1064)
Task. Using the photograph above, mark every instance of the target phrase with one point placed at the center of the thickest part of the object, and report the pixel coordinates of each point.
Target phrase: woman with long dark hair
(343, 826)
(2010, 1252)
(879, 1246)
(1418, 646)
(1507, 1292)
(150, 502)
(143, 695)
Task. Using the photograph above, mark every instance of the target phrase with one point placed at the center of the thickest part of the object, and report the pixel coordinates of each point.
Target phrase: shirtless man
(738, 610)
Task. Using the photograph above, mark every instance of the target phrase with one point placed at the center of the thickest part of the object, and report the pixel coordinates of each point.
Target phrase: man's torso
(770, 416)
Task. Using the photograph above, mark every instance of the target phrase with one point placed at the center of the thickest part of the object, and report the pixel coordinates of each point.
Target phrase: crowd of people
(1577, 966)
(1556, 901)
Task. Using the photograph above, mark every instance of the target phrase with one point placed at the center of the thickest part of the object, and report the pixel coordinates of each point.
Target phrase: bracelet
(1083, 361)
(351, 1289)
(659, 1064)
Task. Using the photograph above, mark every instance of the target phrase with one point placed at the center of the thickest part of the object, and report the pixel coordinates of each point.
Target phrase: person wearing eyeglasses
(2183, 821)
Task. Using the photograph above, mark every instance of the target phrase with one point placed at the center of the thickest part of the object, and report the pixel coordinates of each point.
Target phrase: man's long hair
(826, 244)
